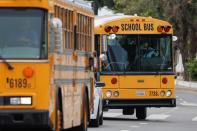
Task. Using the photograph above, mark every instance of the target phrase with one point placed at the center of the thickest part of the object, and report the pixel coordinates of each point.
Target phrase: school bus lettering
(148, 27)
(137, 27)
(131, 27)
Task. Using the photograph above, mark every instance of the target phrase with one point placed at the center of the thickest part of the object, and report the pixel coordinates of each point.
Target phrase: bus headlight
(162, 93)
(20, 101)
(168, 93)
(116, 93)
(108, 94)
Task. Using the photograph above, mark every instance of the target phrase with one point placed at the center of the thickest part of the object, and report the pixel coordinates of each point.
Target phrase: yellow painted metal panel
(170, 81)
(107, 80)
(131, 25)
(139, 81)
(25, 3)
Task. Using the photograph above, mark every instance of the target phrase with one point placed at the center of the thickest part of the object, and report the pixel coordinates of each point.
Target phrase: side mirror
(99, 84)
(174, 38)
(56, 35)
(103, 57)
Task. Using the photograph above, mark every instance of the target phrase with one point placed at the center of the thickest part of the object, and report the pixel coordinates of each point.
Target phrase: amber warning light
(28, 72)
(114, 29)
(163, 28)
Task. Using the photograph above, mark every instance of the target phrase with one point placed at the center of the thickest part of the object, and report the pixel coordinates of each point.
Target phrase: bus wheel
(95, 122)
(101, 119)
(141, 113)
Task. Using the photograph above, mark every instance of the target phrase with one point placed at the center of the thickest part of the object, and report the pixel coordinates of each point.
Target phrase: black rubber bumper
(121, 104)
(24, 118)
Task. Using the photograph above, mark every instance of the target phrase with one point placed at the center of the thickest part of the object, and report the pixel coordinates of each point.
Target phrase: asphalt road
(181, 118)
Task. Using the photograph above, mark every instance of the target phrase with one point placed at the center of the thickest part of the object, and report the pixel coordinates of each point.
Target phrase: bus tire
(95, 122)
(128, 111)
(101, 119)
(84, 124)
(141, 113)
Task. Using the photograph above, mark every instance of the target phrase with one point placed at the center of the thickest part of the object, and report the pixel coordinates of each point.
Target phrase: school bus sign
(134, 25)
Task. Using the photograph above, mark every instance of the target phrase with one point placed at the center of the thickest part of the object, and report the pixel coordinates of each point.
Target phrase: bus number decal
(18, 83)
(153, 93)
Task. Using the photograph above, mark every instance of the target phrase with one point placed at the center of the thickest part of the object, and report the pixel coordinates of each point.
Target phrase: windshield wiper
(10, 67)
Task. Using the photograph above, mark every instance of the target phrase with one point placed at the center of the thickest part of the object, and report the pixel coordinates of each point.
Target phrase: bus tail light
(108, 29)
(28, 72)
(164, 80)
(167, 28)
(160, 28)
(114, 80)
(115, 29)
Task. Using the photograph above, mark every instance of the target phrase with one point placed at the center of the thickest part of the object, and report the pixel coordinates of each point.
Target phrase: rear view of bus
(136, 63)
(24, 71)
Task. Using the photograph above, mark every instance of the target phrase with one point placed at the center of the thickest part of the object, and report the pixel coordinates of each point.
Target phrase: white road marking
(125, 130)
(157, 117)
(194, 119)
(134, 126)
(184, 103)
(143, 123)
(171, 110)
(108, 114)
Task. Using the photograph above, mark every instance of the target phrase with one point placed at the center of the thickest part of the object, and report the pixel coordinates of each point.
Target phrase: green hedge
(191, 69)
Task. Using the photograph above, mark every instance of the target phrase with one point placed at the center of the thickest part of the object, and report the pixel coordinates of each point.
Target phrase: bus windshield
(23, 33)
(137, 53)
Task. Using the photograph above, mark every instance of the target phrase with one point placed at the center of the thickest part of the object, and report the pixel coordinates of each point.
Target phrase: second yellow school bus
(136, 63)
(46, 64)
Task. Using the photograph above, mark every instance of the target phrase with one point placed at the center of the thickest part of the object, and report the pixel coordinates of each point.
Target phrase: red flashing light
(115, 29)
(167, 28)
(164, 80)
(114, 80)
(108, 29)
(160, 28)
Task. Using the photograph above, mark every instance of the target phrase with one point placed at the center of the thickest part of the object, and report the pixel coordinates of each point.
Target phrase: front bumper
(24, 118)
(121, 104)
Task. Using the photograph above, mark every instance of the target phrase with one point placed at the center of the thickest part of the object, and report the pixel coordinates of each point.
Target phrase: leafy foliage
(191, 69)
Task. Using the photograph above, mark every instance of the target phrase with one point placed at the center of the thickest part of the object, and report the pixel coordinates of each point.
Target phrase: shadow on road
(133, 119)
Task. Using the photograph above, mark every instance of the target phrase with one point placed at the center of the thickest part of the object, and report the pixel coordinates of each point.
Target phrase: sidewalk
(185, 84)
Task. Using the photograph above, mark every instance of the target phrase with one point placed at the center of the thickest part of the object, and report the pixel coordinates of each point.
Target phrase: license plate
(18, 83)
(140, 93)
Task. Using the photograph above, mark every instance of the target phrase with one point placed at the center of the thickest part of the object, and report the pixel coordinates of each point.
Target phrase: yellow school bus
(136, 63)
(46, 64)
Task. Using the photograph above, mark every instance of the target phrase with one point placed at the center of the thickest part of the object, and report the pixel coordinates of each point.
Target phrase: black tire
(101, 119)
(141, 113)
(128, 111)
(84, 124)
(95, 123)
